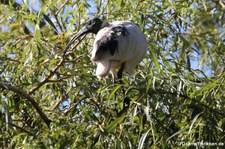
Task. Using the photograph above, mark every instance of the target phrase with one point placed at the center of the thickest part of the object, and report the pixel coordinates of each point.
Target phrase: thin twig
(56, 104)
(52, 72)
(72, 106)
(57, 12)
(58, 80)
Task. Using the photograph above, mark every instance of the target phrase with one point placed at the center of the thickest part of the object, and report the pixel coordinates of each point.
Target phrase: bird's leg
(113, 78)
(126, 100)
(120, 73)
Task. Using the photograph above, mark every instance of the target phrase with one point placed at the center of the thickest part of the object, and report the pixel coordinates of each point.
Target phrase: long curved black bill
(82, 32)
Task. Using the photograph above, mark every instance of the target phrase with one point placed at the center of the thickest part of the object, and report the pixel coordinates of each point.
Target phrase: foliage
(177, 95)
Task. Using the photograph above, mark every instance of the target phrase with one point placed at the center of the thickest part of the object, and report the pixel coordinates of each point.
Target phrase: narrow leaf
(114, 91)
(50, 22)
(37, 33)
(193, 122)
(142, 140)
(114, 124)
(155, 60)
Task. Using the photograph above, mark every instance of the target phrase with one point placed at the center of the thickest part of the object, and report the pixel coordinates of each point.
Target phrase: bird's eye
(88, 23)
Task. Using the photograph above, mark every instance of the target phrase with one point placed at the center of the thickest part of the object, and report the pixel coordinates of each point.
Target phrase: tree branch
(29, 98)
(57, 103)
(72, 106)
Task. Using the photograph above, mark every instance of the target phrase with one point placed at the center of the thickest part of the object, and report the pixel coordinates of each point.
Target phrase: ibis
(118, 46)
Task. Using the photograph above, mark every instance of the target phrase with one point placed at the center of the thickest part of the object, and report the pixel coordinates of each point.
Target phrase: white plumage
(118, 43)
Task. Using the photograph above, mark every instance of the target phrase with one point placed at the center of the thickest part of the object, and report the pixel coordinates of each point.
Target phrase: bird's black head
(93, 25)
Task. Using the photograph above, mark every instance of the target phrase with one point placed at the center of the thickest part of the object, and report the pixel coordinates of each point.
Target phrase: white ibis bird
(119, 44)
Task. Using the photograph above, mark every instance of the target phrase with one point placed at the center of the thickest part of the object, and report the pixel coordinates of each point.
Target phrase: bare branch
(29, 98)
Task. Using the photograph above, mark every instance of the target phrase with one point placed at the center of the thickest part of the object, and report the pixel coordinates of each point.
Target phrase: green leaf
(114, 91)
(37, 33)
(50, 22)
(149, 82)
(155, 60)
(112, 126)
(193, 122)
